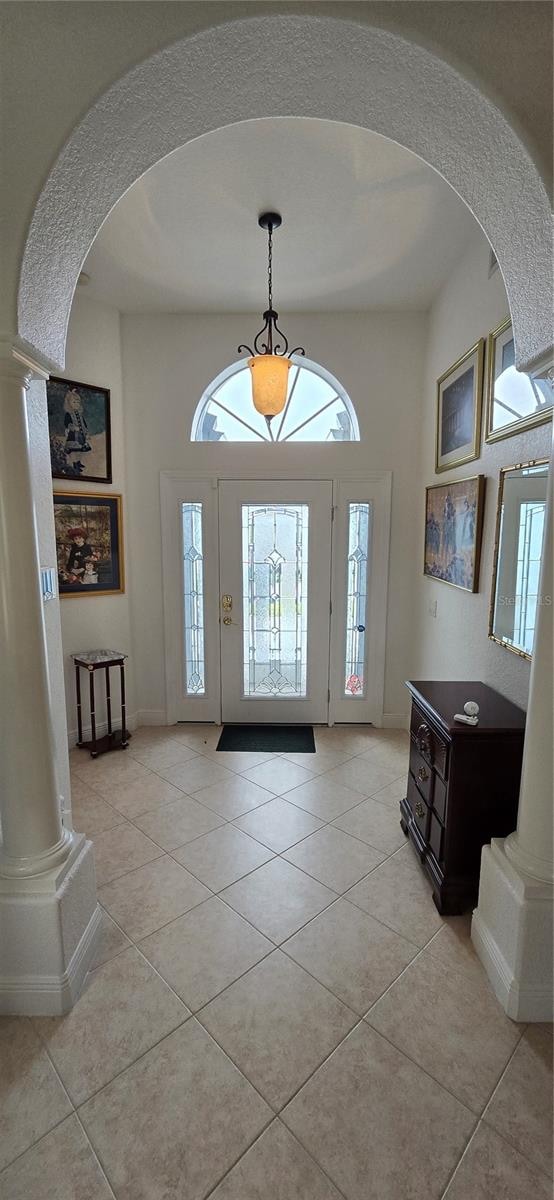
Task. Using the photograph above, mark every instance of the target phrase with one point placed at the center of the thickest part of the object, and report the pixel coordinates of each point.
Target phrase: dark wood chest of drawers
(463, 784)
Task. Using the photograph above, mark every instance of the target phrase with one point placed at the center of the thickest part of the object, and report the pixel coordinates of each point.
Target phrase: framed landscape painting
(453, 529)
(459, 402)
(79, 429)
(89, 544)
(515, 401)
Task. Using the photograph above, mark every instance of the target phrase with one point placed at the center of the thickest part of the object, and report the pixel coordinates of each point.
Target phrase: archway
(280, 66)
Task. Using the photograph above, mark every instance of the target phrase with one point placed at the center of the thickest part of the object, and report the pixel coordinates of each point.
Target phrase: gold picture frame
(454, 532)
(537, 391)
(89, 543)
(504, 471)
(459, 409)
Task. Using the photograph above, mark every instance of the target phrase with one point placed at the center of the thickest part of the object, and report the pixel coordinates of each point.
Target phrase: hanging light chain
(270, 265)
(280, 347)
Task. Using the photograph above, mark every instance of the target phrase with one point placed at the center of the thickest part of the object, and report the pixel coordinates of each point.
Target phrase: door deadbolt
(226, 603)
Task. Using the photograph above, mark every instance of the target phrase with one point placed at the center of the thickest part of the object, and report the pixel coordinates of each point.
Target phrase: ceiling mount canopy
(269, 360)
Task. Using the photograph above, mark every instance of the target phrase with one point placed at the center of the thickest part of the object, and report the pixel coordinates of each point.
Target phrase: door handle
(226, 603)
(227, 621)
(360, 628)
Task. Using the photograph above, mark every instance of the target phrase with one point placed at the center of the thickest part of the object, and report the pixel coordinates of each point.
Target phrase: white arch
(283, 65)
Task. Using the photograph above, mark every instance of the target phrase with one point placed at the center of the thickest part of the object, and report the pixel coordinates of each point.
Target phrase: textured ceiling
(366, 224)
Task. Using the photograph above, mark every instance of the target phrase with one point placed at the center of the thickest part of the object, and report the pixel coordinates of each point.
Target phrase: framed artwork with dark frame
(453, 531)
(79, 431)
(515, 401)
(89, 544)
(459, 403)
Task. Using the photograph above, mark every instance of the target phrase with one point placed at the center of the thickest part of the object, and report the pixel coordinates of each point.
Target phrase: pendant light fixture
(269, 361)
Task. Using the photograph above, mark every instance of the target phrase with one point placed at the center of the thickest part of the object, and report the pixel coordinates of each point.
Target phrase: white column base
(512, 931)
(48, 938)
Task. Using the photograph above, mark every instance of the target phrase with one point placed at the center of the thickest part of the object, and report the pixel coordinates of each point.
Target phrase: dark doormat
(273, 739)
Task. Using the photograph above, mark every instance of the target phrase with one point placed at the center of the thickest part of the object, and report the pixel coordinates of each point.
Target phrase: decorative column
(512, 925)
(42, 864)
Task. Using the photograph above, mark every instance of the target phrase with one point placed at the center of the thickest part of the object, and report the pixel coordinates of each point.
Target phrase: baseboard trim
(521, 1003)
(395, 721)
(143, 716)
(52, 995)
(151, 716)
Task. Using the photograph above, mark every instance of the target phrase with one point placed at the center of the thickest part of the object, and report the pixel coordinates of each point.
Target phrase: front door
(275, 573)
(275, 598)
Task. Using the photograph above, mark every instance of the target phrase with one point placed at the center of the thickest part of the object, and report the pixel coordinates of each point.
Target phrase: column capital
(18, 362)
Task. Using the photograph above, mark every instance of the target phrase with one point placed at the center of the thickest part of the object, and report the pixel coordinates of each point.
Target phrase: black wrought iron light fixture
(270, 360)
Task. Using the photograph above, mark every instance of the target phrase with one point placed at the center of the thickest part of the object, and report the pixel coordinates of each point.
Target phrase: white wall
(389, 364)
(92, 622)
(455, 644)
(168, 361)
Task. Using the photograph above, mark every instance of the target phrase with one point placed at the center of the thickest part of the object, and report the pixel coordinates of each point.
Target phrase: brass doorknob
(422, 775)
(419, 810)
(227, 621)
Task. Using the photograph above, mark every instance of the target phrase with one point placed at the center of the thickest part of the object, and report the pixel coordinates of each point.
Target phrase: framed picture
(89, 544)
(453, 529)
(79, 428)
(459, 400)
(515, 401)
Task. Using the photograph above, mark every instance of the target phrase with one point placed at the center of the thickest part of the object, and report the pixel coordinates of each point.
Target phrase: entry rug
(271, 739)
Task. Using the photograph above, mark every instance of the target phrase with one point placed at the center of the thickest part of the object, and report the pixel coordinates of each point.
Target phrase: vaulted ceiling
(366, 225)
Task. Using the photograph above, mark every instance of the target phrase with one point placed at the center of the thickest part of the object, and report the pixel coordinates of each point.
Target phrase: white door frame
(176, 486)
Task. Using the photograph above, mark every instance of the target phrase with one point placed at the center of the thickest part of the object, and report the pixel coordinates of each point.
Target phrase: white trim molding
(513, 935)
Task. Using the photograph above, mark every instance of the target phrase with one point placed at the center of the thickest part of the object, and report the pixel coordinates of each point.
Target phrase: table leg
(108, 701)
(79, 713)
(124, 742)
(93, 751)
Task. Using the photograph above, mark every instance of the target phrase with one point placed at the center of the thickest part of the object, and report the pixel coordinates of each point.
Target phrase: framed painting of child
(89, 544)
(79, 430)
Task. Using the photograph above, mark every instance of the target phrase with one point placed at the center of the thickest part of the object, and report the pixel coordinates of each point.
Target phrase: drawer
(436, 838)
(421, 772)
(428, 742)
(439, 798)
(420, 811)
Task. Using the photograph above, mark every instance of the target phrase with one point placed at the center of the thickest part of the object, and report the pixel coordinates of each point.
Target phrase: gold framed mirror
(518, 543)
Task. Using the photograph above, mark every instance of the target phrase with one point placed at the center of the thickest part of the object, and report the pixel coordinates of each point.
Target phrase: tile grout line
(489, 1125)
(458, 1164)
(96, 1156)
(308, 1153)
(37, 1141)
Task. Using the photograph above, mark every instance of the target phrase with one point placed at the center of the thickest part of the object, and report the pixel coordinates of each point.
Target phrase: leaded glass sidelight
(275, 599)
(193, 569)
(356, 597)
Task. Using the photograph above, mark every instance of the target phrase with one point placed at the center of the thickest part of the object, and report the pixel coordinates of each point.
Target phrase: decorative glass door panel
(356, 598)
(275, 598)
(275, 554)
(193, 596)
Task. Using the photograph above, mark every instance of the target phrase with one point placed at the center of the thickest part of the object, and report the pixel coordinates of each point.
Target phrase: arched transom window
(317, 409)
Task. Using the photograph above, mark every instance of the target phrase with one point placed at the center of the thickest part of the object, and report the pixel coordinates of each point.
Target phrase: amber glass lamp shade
(270, 374)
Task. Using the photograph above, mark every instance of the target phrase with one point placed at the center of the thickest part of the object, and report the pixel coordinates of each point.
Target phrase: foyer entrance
(275, 599)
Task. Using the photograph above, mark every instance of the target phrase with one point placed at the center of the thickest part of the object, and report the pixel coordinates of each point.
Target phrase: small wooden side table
(92, 661)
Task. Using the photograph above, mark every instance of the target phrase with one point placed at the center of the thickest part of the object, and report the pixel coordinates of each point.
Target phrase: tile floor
(276, 1012)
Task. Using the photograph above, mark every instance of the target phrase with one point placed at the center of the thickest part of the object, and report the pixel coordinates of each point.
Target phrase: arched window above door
(318, 409)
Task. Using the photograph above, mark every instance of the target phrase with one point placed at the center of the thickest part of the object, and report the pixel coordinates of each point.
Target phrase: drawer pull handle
(419, 810)
(422, 774)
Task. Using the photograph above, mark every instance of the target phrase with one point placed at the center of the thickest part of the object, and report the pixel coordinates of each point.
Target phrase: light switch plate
(48, 582)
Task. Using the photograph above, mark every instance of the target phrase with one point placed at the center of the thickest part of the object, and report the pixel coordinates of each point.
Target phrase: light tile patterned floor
(277, 1011)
